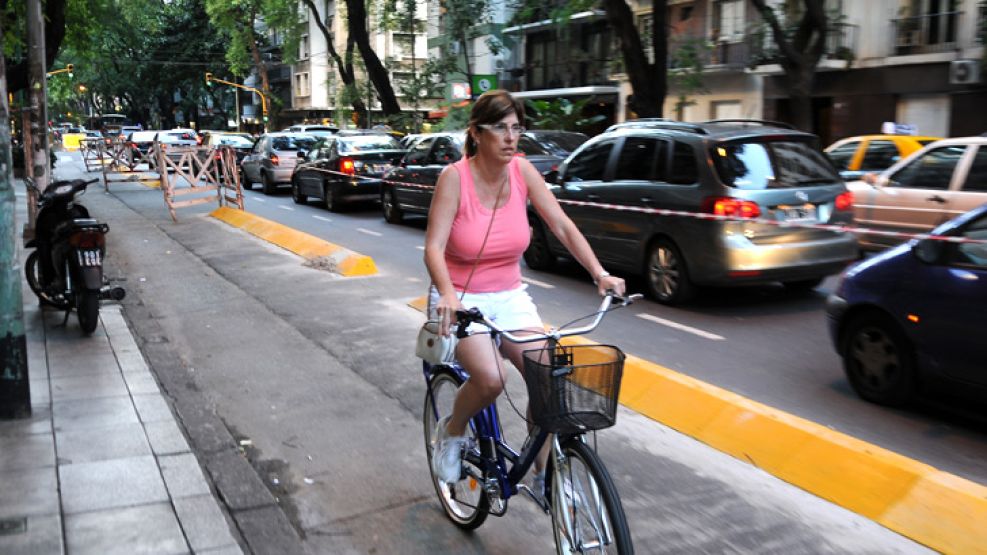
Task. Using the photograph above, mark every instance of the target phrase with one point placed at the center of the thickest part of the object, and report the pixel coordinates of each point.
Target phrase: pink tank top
(499, 268)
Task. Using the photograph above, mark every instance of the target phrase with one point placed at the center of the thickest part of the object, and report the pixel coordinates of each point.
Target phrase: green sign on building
(484, 83)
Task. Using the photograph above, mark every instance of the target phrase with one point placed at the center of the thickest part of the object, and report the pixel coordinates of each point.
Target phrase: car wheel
(296, 193)
(803, 285)
(267, 183)
(389, 203)
(244, 182)
(666, 273)
(331, 198)
(538, 255)
(878, 360)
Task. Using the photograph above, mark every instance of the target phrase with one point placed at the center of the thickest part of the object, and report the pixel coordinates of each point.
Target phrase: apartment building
(316, 88)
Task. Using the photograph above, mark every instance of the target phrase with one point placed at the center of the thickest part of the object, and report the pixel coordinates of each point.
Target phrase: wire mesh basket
(573, 389)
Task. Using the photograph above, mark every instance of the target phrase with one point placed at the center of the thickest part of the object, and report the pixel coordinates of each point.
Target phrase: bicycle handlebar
(465, 317)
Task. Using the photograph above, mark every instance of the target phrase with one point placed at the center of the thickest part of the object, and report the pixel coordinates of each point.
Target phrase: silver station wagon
(772, 179)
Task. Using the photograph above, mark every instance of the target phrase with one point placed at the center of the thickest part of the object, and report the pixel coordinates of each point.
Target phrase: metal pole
(15, 388)
(236, 101)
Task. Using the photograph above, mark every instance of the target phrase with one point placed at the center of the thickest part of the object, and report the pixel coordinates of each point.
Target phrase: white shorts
(512, 310)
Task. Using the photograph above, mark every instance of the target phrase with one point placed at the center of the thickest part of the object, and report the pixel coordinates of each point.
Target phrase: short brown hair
(491, 107)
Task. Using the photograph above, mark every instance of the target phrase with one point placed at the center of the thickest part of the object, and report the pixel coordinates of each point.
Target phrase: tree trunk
(358, 106)
(357, 18)
(648, 81)
(345, 70)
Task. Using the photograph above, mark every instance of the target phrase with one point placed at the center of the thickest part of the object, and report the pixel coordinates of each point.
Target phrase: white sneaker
(447, 460)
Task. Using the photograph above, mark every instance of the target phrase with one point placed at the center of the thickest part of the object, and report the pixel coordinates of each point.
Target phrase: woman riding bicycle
(480, 207)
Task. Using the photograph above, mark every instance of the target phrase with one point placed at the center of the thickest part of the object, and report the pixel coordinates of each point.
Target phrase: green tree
(687, 73)
(461, 21)
(15, 37)
(344, 66)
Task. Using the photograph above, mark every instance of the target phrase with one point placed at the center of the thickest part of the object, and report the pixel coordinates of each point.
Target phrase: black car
(348, 166)
(756, 175)
(546, 149)
(409, 186)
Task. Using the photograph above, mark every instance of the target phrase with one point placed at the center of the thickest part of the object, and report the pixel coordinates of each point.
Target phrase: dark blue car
(916, 315)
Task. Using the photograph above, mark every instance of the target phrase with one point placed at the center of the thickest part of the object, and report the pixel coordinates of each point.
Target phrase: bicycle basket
(573, 389)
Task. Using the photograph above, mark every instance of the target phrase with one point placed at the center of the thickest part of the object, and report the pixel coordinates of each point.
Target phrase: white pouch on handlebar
(434, 348)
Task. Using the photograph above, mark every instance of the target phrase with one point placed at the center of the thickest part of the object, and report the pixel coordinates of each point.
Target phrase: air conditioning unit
(964, 72)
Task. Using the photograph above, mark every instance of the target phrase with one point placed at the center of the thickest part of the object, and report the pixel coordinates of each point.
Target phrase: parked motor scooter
(66, 268)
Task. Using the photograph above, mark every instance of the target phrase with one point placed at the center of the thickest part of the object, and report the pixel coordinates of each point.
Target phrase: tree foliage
(561, 113)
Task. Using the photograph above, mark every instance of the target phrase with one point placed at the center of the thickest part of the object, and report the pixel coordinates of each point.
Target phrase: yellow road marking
(347, 262)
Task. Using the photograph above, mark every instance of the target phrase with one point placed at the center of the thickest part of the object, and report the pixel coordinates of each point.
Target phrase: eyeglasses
(503, 128)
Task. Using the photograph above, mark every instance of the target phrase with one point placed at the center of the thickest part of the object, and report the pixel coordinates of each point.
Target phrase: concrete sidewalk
(102, 465)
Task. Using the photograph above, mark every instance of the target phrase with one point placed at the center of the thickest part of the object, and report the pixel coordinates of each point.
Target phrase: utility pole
(37, 158)
(15, 391)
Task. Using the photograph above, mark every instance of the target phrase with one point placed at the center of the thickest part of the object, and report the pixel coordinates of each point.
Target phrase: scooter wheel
(34, 282)
(87, 307)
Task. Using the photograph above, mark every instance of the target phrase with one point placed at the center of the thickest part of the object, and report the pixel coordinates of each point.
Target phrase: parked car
(141, 142)
(241, 145)
(913, 316)
(346, 167)
(740, 169)
(546, 149)
(856, 156)
(933, 185)
(273, 158)
(409, 186)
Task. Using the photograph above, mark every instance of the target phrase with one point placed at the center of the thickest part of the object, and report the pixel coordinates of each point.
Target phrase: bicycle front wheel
(587, 515)
(463, 502)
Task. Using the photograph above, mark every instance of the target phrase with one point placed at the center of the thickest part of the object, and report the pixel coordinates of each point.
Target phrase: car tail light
(275, 160)
(844, 201)
(198, 141)
(734, 207)
(87, 239)
(347, 166)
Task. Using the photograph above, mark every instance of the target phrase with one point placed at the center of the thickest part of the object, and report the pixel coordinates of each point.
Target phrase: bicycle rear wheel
(587, 515)
(464, 502)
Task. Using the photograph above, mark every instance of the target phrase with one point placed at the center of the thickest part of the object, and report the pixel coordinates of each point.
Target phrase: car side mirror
(552, 177)
(301, 154)
(928, 250)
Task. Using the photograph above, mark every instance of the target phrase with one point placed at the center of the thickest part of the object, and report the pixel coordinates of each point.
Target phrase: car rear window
(368, 142)
(771, 165)
(233, 140)
(292, 143)
(559, 144)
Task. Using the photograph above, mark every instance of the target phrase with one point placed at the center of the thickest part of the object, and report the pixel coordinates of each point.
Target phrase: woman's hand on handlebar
(446, 311)
(611, 283)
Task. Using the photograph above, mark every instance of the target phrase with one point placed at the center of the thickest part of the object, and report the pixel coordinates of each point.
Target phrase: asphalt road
(314, 375)
(766, 343)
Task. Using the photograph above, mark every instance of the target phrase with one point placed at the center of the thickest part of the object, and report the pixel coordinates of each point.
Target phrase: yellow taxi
(855, 156)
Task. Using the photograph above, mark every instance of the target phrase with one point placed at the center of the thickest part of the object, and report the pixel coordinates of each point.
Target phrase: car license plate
(381, 168)
(802, 213)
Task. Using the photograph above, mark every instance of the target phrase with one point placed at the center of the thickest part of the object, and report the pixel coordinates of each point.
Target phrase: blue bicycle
(572, 391)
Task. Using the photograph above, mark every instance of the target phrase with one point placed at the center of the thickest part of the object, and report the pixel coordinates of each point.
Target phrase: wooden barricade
(119, 158)
(92, 153)
(198, 171)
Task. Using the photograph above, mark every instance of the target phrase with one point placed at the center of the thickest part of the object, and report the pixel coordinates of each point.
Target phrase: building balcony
(925, 34)
(841, 45)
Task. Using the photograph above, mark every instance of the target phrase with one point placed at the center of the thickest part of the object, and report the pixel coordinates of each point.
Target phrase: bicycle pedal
(538, 499)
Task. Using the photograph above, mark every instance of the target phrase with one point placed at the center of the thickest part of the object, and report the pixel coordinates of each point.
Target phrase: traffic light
(208, 79)
(265, 119)
(69, 67)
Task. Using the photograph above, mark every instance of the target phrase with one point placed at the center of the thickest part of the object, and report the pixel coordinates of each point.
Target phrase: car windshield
(772, 165)
(368, 142)
(559, 144)
(293, 143)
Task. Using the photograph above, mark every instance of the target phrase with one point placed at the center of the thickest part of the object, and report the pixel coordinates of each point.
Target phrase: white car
(943, 180)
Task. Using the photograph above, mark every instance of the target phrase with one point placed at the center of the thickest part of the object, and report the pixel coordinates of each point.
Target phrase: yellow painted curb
(419, 304)
(347, 263)
(935, 508)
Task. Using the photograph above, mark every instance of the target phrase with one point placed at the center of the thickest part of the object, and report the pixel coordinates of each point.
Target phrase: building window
(302, 86)
(728, 20)
(303, 48)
